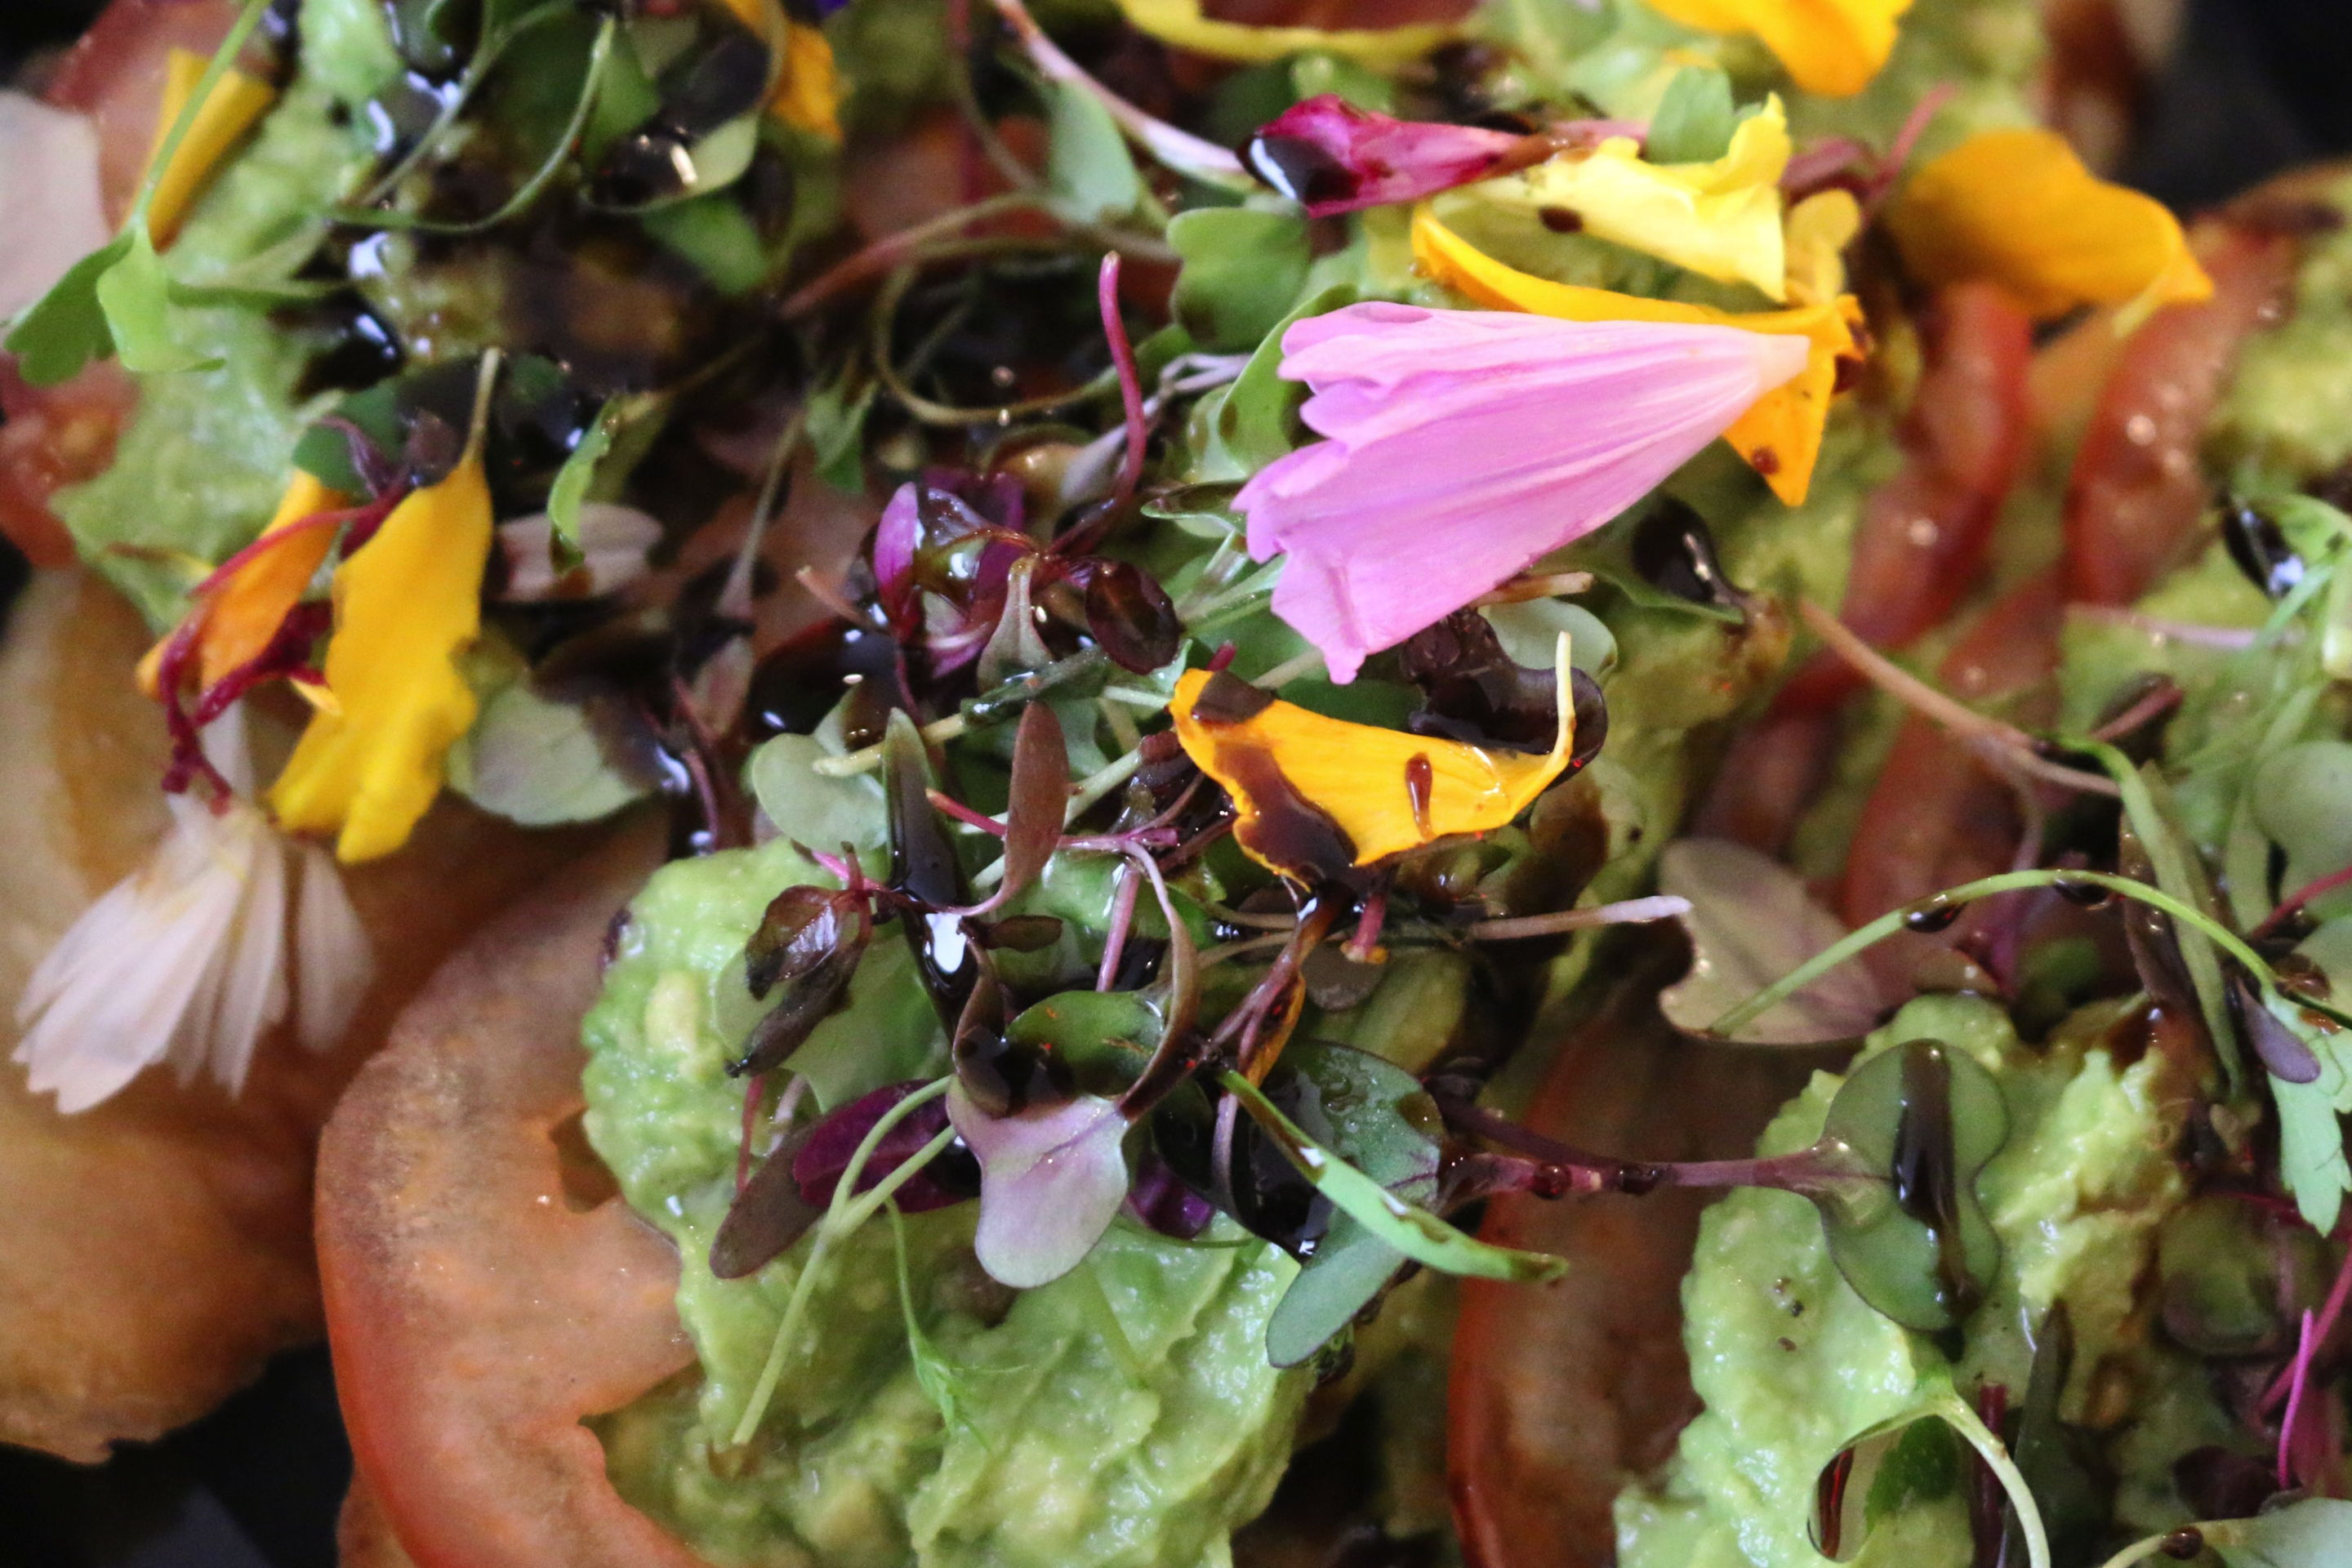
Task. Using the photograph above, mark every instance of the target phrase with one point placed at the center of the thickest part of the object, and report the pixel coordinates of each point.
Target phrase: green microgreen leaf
(136, 295)
(1254, 421)
(1407, 1227)
(1896, 1260)
(2179, 872)
(1379, 1120)
(67, 328)
(836, 432)
(940, 1380)
(1937, 1401)
(87, 314)
(1694, 119)
(1088, 165)
(573, 480)
(1243, 270)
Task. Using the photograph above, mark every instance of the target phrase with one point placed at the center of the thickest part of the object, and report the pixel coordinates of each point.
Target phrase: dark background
(2256, 86)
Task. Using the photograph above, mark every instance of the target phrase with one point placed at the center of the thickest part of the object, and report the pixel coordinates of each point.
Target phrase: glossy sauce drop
(1927, 1169)
(1420, 782)
(1299, 170)
(1935, 915)
(1674, 552)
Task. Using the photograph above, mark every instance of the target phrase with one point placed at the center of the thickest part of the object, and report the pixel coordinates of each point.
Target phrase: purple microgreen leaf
(831, 1145)
(1039, 794)
(798, 926)
(818, 988)
(1161, 1200)
(1051, 1179)
(1129, 617)
(976, 1046)
(768, 1215)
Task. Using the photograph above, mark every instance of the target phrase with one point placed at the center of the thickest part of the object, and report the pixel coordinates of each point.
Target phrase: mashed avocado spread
(1792, 1365)
(1124, 1414)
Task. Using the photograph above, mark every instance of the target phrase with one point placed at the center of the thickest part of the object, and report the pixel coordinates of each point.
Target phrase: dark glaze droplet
(1559, 220)
(1927, 1169)
(1419, 780)
(1829, 1504)
(1674, 552)
(1935, 915)
(2260, 548)
(1229, 699)
(2089, 895)
(2184, 1544)
(1285, 827)
(1592, 720)
(1299, 170)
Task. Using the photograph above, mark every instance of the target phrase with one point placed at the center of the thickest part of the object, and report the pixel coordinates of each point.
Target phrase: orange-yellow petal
(229, 111)
(1831, 46)
(238, 618)
(2016, 208)
(407, 604)
(1181, 25)
(1779, 436)
(807, 94)
(1387, 791)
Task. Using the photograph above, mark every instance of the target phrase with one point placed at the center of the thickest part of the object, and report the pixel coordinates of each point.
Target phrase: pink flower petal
(1466, 444)
(1051, 1181)
(1332, 157)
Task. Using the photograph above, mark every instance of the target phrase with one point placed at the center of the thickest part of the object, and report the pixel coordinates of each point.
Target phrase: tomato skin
(2136, 490)
(59, 436)
(1918, 549)
(1558, 1393)
(477, 1306)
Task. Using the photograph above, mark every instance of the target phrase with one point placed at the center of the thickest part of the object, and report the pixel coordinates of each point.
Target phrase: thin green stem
(1866, 936)
(218, 67)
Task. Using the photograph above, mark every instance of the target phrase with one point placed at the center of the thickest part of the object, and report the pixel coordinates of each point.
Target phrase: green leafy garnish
(940, 1380)
(1695, 120)
(1405, 1225)
(117, 299)
(2303, 1534)
(1087, 167)
(1243, 269)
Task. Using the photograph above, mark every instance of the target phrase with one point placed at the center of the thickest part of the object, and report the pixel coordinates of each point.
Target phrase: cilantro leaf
(65, 328)
(136, 295)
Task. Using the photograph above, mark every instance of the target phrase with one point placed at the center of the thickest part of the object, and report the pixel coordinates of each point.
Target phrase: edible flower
(807, 93)
(229, 109)
(1332, 157)
(189, 957)
(1466, 444)
(1831, 46)
(1181, 25)
(1720, 219)
(1779, 435)
(2016, 208)
(408, 603)
(238, 619)
(1381, 792)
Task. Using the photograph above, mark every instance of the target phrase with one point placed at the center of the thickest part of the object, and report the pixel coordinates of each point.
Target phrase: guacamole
(1124, 1414)
(200, 466)
(1792, 1365)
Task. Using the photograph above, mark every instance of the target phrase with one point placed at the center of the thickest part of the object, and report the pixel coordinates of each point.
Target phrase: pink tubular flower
(1466, 444)
(1332, 157)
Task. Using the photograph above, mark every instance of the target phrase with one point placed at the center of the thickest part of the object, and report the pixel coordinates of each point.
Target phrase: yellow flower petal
(1718, 219)
(1180, 23)
(1830, 46)
(2016, 208)
(1818, 229)
(407, 604)
(1389, 792)
(1780, 434)
(807, 94)
(235, 102)
(240, 616)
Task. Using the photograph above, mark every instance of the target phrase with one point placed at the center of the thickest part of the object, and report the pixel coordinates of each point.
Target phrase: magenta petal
(895, 538)
(1332, 157)
(1466, 444)
(1051, 1180)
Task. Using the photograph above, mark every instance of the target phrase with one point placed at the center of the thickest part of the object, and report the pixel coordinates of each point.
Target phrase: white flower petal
(333, 964)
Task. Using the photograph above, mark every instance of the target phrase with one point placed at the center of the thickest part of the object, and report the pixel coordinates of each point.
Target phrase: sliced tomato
(1937, 815)
(480, 1301)
(1560, 1392)
(2137, 489)
(59, 436)
(115, 75)
(1918, 551)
